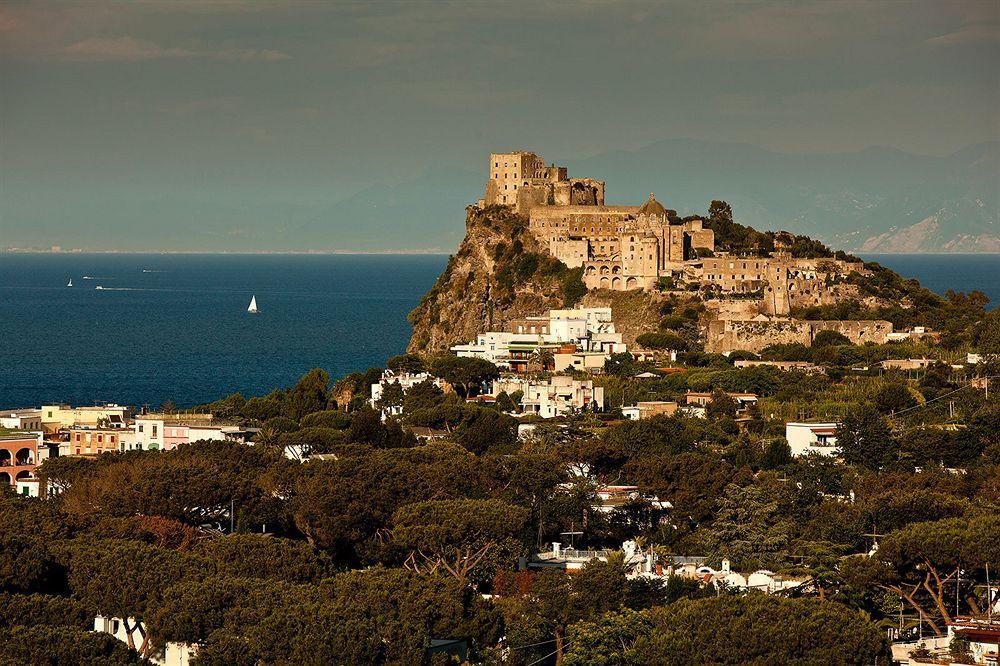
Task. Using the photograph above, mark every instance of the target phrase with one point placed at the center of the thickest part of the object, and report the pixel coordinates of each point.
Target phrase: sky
(194, 124)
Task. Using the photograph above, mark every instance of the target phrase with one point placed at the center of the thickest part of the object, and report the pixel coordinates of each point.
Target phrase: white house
(406, 381)
(805, 438)
(21, 419)
(173, 654)
(552, 397)
(587, 329)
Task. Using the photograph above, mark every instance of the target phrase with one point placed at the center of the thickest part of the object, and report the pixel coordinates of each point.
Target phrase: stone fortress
(622, 248)
(619, 247)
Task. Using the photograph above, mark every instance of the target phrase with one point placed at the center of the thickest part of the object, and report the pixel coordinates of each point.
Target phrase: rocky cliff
(499, 273)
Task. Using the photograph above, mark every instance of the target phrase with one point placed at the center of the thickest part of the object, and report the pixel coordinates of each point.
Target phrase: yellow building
(60, 417)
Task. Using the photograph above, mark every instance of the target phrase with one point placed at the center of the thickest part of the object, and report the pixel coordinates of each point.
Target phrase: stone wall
(753, 335)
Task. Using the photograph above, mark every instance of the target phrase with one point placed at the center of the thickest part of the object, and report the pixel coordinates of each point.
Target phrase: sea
(175, 327)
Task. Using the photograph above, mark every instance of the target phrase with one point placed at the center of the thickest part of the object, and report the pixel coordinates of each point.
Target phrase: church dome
(652, 207)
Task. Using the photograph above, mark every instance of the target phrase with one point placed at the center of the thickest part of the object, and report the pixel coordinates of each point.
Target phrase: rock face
(499, 273)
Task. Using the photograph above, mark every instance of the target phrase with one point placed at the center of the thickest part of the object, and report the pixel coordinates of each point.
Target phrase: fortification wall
(730, 335)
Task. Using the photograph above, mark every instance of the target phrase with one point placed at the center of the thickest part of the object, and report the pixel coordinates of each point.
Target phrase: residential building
(87, 441)
(555, 396)
(907, 363)
(805, 438)
(171, 654)
(801, 366)
(743, 400)
(58, 417)
(168, 431)
(648, 408)
(21, 419)
(18, 460)
(580, 338)
(406, 381)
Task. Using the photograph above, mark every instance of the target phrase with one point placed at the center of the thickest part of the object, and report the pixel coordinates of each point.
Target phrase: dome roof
(652, 207)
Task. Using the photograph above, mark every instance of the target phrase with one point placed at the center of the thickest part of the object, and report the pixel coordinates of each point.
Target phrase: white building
(406, 381)
(805, 438)
(586, 329)
(649, 408)
(173, 654)
(21, 419)
(556, 396)
(166, 432)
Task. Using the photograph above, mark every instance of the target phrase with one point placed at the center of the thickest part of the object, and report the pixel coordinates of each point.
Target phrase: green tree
(829, 338)
(124, 579)
(260, 556)
(864, 439)
(392, 397)
(893, 398)
(309, 394)
(411, 363)
(43, 609)
(752, 527)
(465, 374)
(466, 538)
(607, 640)
(721, 405)
(758, 629)
(63, 646)
(662, 341)
(424, 395)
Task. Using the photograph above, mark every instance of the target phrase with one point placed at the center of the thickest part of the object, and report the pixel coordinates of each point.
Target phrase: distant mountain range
(875, 200)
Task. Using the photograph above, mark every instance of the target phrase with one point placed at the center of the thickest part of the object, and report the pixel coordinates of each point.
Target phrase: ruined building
(619, 247)
(781, 283)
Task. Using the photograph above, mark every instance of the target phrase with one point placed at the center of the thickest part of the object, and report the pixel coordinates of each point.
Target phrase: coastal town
(704, 421)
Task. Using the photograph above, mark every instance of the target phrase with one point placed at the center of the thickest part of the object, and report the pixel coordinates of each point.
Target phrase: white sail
(70, 283)
(253, 305)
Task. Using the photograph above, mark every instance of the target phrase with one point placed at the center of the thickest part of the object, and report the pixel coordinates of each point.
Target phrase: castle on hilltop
(619, 247)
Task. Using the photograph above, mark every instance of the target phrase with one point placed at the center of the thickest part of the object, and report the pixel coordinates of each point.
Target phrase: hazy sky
(183, 109)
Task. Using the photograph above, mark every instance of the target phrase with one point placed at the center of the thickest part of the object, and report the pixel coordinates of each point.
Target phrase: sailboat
(253, 305)
(70, 283)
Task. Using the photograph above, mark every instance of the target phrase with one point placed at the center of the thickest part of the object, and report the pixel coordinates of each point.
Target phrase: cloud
(128, 49)
(976, 33)
(122, 49)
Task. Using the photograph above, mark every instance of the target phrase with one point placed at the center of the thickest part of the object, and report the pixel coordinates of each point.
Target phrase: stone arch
(24, 456)
(631, 283)
(24, 475)
(604, 283)
(5, 457)
(616, 283)
(5, 478)
(605, 270)
(616, 270)
(591, 270)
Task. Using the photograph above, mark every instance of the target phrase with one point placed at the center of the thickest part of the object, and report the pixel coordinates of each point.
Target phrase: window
(154, 431)
(140, 427)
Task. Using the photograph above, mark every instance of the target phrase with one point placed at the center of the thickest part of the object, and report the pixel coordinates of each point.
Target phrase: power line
(538, 661)
(521, 647)
(940, 397)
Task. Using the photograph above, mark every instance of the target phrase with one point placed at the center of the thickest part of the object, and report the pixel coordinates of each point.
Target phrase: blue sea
(181, 332)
